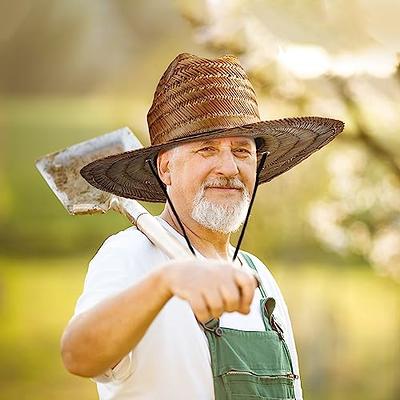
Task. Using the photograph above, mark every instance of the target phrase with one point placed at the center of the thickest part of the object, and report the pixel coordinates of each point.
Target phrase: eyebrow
(213, 141)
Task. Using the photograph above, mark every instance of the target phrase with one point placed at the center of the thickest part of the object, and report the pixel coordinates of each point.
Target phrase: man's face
(211, 181)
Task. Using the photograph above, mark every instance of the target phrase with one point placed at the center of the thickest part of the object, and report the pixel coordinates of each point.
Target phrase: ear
(163, 166)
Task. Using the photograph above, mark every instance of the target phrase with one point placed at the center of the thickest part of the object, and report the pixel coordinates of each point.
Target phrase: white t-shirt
(172, 360)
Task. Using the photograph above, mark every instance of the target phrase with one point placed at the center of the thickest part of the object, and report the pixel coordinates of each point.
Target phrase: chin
(224, 197)
(222, 228)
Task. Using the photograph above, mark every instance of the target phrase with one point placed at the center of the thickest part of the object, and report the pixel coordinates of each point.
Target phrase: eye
(207, 149)
(242, 152)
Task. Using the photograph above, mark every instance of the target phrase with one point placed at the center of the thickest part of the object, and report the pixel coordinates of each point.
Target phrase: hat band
(203, 124)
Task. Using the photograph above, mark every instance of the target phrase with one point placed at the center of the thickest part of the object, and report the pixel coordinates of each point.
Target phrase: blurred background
(329, 229)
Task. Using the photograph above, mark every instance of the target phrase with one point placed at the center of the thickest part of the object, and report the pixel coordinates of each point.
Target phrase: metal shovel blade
(61, 171)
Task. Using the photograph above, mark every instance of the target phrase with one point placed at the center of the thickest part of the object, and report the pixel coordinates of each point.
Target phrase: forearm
(97, 339)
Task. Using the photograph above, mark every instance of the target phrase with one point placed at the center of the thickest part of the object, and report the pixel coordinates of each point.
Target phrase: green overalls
(251, 364)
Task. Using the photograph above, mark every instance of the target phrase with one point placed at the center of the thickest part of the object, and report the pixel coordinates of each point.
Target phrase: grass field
(37, 299)
(346, 322)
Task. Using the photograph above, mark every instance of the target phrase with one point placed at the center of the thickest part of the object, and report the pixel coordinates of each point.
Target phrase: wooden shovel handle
(149, 225)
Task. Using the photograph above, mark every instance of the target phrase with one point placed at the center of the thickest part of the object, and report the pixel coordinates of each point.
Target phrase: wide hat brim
(288, 142)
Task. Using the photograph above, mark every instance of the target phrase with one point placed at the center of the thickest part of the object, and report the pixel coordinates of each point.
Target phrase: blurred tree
(70, 47)
(70, 71)
(336, 59)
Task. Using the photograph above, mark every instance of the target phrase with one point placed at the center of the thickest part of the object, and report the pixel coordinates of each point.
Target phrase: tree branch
(361, 133)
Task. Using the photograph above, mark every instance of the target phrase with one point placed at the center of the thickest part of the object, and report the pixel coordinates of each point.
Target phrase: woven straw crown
(197, 95)
(199, 98)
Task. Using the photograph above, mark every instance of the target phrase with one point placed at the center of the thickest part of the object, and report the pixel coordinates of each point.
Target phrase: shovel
(61, 172)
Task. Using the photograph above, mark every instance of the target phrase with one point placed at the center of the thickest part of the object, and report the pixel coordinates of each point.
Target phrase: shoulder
(126, 255)
(129, 243)
(125, 239)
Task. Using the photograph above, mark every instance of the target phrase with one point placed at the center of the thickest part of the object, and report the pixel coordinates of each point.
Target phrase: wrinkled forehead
(225, 141)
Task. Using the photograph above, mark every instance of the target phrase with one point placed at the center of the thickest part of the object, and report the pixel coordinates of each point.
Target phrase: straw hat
(200, 98)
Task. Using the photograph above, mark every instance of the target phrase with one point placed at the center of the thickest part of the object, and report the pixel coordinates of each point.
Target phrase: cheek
(187, 179)
(249, 176)
(181, 182)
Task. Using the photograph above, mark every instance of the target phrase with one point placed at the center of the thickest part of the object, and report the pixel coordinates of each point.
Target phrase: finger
(214, 302)
(247, 284)
(231, 295)
(200, 309)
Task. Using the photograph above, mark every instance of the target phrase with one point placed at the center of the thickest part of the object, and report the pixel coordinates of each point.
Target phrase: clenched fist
(211, 287)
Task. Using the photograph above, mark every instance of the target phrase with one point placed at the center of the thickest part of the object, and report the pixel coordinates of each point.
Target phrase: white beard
(221, 217)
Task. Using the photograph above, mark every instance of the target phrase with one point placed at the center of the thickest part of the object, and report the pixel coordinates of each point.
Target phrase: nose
(227, 164)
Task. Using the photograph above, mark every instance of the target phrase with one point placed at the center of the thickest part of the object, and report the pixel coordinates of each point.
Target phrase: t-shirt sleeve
(107, 275)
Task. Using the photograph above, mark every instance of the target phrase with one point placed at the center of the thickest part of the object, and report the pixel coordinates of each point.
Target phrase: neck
(210, 244)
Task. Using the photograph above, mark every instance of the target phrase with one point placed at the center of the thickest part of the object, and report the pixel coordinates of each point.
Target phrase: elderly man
(146, 327)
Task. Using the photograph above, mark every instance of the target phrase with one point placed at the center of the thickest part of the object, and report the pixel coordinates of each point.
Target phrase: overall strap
(267, 303)
(250, 263)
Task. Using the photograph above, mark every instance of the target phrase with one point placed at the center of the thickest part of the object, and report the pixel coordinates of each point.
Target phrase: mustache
(223, 182)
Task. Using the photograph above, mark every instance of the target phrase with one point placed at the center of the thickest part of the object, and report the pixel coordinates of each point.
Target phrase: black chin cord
(259, 169)
(161, 183)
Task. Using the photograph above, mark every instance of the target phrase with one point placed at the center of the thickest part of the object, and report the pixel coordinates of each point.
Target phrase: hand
(211, 287)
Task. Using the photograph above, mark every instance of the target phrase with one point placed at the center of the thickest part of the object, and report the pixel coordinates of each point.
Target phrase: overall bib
(251, 364)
